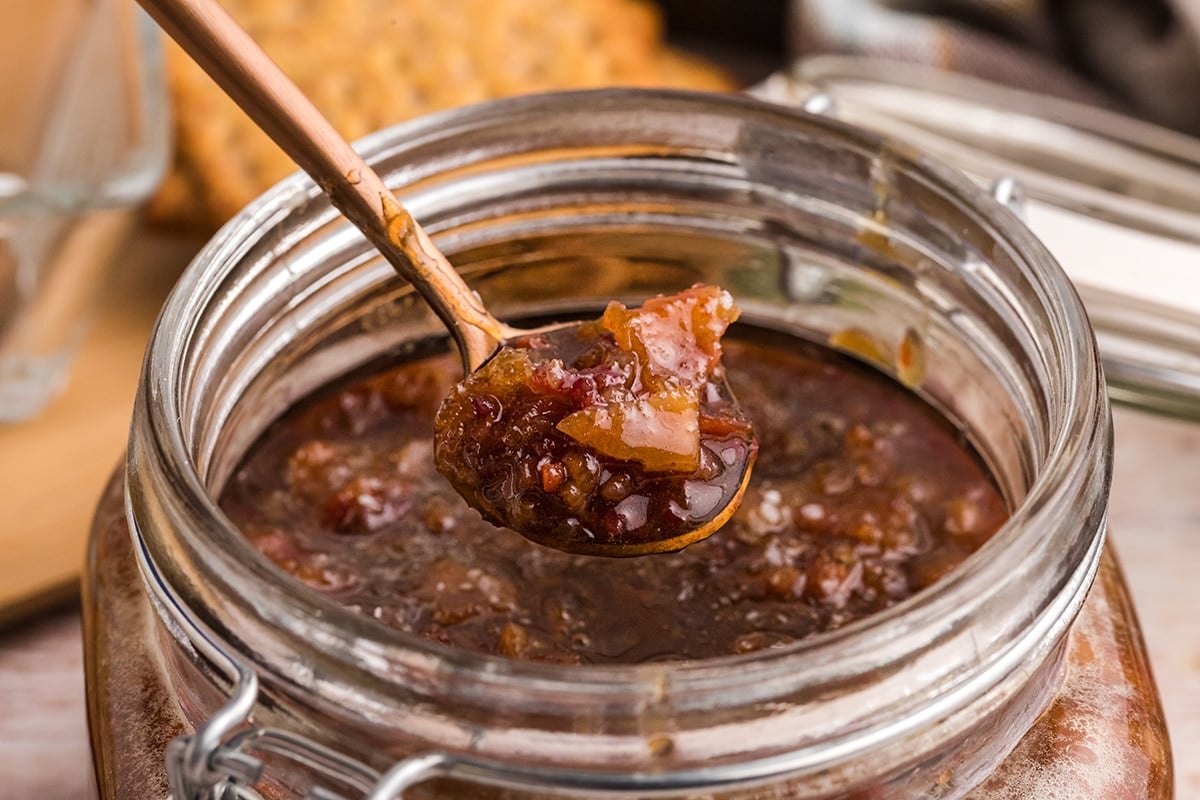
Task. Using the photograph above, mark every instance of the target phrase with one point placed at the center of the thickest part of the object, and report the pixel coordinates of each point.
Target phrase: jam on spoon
(613, 437)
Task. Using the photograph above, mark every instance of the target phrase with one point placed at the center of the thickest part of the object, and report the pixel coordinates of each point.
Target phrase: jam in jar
(913, 601)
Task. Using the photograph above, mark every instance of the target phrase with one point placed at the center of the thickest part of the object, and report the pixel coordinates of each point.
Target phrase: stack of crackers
(368, 64)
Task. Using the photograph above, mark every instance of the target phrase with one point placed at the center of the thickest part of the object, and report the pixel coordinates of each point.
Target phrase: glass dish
(83, 140)
(247, 682)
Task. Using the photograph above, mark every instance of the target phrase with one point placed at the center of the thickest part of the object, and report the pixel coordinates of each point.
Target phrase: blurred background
(118, 158)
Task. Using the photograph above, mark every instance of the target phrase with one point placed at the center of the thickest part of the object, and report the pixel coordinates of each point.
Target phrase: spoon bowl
(580, 444)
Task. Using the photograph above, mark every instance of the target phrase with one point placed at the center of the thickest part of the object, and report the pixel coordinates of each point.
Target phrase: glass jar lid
(1116, 200)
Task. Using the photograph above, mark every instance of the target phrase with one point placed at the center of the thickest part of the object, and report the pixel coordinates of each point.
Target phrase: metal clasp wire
(200, 766)
(218, 761)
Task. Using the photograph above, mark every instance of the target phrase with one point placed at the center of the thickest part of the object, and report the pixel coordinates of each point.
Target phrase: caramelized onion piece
(613, 437)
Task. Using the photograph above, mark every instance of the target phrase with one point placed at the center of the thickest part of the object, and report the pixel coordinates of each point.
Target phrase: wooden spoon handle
(239, 66)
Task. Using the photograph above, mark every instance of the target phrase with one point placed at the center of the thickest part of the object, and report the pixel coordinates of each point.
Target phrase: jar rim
(1075, 462)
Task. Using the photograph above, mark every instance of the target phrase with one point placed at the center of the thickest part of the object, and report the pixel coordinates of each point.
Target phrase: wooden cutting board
(53, 467)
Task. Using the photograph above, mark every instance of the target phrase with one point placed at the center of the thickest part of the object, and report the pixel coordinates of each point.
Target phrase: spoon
(687, 505)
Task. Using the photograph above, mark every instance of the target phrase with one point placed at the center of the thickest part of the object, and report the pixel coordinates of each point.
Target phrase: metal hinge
(224, 758)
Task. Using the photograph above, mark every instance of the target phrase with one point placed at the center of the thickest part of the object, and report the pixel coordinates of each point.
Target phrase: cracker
(368, 64)
(680, 70)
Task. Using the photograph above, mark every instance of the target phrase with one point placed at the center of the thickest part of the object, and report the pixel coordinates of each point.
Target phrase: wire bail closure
(224, 758)
(219, 761)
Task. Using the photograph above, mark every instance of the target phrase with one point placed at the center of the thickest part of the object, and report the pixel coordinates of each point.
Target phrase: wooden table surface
(53, 466)
(1155, 523)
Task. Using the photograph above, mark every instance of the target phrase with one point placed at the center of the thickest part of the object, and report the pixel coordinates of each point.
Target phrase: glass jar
(211, 671)
(83, 142)
(1100, 190)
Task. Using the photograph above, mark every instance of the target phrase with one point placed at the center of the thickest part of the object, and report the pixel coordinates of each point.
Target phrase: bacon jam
(861, 496)
(613, 437)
